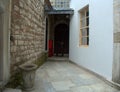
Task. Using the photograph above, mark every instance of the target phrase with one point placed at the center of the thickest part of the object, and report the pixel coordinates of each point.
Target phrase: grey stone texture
(117, 37)
(4, 40)
(28, 74)
(27, 31)
(63, 76)
(116, 5)
(12, 90)
(116, 48)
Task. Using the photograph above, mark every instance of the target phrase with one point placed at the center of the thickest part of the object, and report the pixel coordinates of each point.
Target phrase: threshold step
(58, 59)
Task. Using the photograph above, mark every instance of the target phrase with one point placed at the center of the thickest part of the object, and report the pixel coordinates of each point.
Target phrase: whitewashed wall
(98, 57)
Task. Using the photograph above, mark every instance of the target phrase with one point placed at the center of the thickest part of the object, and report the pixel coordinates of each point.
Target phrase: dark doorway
(61, 39)
(46, 36)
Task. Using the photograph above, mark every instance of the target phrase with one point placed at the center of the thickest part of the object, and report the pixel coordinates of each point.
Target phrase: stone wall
(27, 31)
(116, 60)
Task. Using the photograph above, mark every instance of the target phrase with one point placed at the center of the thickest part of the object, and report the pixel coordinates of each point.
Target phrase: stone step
(58, 59)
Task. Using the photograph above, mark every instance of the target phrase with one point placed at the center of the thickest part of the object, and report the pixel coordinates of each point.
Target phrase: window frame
(84, 26)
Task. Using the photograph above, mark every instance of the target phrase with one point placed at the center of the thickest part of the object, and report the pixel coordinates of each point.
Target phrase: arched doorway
(61, 40)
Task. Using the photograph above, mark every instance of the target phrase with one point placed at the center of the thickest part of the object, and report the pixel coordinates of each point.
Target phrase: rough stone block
(27, 29)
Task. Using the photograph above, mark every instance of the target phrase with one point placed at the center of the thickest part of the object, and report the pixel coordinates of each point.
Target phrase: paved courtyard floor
(63, 76)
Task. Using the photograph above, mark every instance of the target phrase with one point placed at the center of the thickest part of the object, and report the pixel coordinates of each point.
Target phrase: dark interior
(61, 39)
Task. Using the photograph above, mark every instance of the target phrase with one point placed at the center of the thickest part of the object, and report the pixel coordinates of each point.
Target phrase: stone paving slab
(57, 76)
(62, 85)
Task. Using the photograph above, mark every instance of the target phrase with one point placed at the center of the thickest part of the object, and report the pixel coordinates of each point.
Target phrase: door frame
(58, 23)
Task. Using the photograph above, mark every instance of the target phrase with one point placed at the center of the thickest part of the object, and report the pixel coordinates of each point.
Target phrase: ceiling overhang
(67, 11)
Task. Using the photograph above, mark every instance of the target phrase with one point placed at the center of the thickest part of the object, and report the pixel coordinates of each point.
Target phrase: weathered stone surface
(28, 73)
(56, 76)
(12, 90)
(116, 56)
(117, 37)
(27, 30)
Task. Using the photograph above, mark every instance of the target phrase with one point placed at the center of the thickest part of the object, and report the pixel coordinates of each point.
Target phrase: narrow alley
(64, 76)
(87, 32)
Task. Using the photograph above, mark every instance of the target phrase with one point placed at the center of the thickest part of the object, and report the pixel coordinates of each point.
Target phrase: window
(84, 26)
(60, 4)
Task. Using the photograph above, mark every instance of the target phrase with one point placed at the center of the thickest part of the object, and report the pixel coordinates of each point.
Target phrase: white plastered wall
(98, 56)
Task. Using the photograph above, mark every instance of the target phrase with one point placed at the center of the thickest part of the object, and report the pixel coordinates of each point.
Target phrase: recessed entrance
(61, 40)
